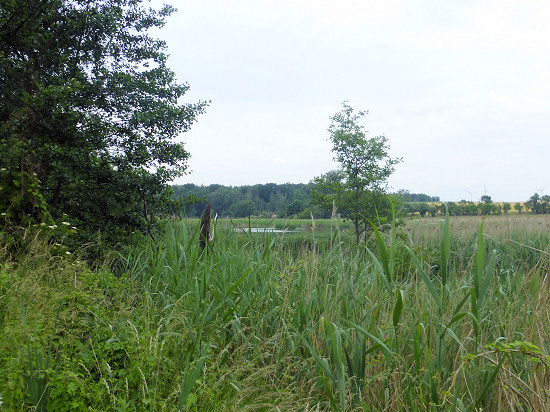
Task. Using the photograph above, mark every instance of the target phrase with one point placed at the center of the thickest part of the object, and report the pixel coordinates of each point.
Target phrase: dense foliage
(263, 200)
(538, 204)
(89, 113)
(407, 196)
(452, 320)
(268, 200)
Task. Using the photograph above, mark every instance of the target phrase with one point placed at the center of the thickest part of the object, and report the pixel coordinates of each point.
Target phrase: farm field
(434, 316)
(499, 227)
(421, 231)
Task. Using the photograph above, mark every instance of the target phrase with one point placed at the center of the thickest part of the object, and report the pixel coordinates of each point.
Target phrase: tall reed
(261, 323)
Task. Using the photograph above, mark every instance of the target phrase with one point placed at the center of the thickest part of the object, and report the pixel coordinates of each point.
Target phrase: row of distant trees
(294, 200)
(536, 204)
(462, 208)
(266, 200)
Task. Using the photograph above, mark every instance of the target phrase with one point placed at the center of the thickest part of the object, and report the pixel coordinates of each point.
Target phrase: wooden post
(204, 233)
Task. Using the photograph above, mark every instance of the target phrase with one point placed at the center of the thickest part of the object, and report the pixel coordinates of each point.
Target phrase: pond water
(266, 230)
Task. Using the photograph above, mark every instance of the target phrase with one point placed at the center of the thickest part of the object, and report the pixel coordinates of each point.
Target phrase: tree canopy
(268, 200)
(89, 114)
(358, 188)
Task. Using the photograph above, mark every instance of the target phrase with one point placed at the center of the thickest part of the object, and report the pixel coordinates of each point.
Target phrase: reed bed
(451, 322)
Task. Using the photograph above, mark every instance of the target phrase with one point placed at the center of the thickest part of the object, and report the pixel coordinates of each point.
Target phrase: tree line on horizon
(293, 200)
(265, 200)
(536, 205)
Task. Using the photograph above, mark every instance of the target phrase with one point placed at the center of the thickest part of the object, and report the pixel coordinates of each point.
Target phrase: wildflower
(66, 223)
(72, 227)
(67, 252)
(52, 227)
(4, 214)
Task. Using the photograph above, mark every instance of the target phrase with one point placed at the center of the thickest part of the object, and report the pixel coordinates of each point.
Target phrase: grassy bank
(457, 320)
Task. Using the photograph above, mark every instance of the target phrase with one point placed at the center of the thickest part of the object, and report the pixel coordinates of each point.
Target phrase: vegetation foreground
(452, 321)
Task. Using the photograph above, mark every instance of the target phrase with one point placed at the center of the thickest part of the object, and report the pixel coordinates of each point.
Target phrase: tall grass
(370, 337)
(258, 322)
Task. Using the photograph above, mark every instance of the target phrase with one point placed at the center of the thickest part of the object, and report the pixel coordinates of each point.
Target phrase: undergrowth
(252, 323)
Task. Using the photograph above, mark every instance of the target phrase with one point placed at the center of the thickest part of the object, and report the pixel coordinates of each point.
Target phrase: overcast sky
(461, 89)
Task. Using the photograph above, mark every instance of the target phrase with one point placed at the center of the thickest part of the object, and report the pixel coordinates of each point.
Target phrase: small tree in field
(533, 203)
(518, 206)
(506, 207)
(487, 207)
(357, 188)
(242, 208)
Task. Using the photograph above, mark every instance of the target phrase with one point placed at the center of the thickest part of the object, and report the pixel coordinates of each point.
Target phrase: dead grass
(499, 227)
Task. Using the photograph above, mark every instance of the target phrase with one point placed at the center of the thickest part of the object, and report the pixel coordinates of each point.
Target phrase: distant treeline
(416, 197)
(294, 200)
(536, 205)
(263, 200)
(289, 199)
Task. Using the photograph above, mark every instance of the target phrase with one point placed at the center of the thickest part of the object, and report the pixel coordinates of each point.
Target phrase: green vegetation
(421, 315)
(89, 114)
(270, 200)
(358, 187)
(446, 319)
(538, 205)
(265, 200)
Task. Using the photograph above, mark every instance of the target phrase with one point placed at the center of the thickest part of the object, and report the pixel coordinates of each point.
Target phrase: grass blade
(388, 354)
(425, 278)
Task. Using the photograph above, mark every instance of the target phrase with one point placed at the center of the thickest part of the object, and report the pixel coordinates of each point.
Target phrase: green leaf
(383, 253)
(445, 248)
(489, 271)
(380, 269)
(479, 260)
(489, 382)
(388, 354)
(398, 307)
(429, 284)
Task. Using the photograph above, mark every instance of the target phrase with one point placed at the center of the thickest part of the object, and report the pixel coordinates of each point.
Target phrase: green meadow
(427, 315)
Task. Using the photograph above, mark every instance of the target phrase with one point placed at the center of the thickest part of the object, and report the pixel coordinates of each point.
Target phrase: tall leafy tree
(534, 203)
(89, 113)
(358, 188)
(487, 207)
